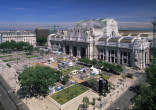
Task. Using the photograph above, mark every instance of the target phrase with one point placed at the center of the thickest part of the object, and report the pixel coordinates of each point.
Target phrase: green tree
(12, 45)
(41, 40)
(151, 75)
(93, 103)
(145, 99)
(114, 68)
(29, 49)
(94, 62)
(85, 102)
(36, 80)
(117, 69)
(146, 93)
(65, 79)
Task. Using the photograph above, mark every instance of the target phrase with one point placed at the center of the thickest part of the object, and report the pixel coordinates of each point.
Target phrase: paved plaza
(110, 101)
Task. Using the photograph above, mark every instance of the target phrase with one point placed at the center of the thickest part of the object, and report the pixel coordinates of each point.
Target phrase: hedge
(114, 68)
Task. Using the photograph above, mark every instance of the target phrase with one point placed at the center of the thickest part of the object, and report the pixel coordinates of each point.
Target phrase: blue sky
(64, 11)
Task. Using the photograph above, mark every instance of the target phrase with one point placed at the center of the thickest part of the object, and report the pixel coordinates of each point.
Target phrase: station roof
(144, 35)
(103, 39)
(126, 39)
(120, 39)
(114, 39)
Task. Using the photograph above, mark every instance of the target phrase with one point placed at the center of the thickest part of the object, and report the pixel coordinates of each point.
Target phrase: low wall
(73, 102)
(54, 102)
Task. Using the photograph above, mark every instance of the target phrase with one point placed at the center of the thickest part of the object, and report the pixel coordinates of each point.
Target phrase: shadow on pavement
(17, 102)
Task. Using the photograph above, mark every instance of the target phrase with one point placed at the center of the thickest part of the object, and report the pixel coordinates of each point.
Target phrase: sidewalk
(8, 83)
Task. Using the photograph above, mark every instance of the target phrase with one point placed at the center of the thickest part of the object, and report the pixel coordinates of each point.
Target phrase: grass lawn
(68, 93)
(106, 77)
(70, 69)
(13, 59)
(32, 56)
(91, 83)
(5, 56)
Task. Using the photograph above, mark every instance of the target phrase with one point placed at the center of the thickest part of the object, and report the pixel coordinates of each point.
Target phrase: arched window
(113, 34)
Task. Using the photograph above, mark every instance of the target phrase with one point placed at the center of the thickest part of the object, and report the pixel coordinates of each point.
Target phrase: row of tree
(114, 68)
(41, 40)
(146, 93)
(19, 46)
(37, 80)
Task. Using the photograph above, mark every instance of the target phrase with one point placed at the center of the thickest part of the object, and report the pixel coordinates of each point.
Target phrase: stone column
(71, 51)
(118, 56)
(148, 57)
(122, 57)
(107, 54)
(143, 59)
(127, 57)
(78, 52)
(63, 46)
(110, 56)
(87, 52)
(140, 62)
(132, 58)
(95, 52)
(103, 54)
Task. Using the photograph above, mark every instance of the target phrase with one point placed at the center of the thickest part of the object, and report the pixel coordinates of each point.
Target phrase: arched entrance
(67, 50)
(74, 51)
(83, 52)
(113, 34)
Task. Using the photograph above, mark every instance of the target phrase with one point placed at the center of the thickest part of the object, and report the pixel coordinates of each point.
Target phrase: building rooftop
(127, 39)
(114, 39)
(103, 39)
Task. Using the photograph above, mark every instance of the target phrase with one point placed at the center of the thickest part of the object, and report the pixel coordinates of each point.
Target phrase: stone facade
(100, 39)
(18, 36)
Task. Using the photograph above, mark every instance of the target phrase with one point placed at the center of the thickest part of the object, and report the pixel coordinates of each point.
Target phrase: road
(123, 101)
(9, 98)
(6, 101)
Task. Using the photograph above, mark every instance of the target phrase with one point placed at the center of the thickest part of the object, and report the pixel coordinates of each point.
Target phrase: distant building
(0, 38)
(100, 39)
(18, 36)
(42, 32)
(41, 36)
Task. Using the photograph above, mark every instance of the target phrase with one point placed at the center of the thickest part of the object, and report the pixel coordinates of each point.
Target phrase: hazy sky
(54, 11)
